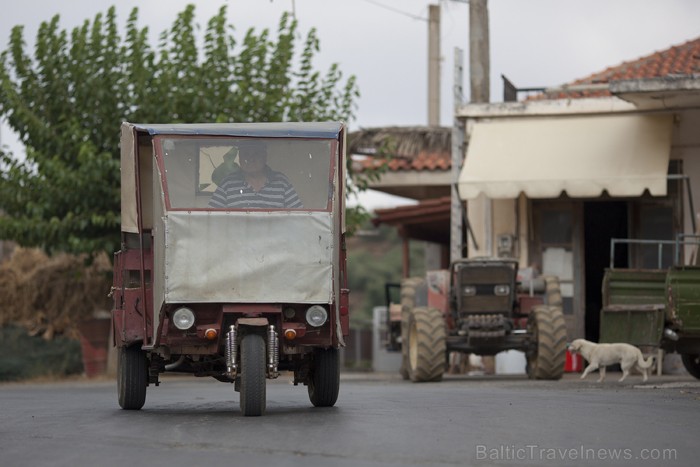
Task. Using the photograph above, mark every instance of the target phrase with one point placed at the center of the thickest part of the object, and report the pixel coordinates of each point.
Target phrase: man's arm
(291, 197)
(218, 199)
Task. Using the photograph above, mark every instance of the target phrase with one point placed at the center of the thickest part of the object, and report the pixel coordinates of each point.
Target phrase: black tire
(324, 384)
(547, 329)
(691, 362)
(553, 291)
(132, 377)
(408, 303)
(253, 395)
(426, 345)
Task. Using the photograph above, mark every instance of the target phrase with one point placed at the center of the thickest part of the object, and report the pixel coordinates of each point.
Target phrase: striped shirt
(235, 193)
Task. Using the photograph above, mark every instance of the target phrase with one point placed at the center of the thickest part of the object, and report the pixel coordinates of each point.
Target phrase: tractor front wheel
(547, 355)
(408, 303)
(426, 345)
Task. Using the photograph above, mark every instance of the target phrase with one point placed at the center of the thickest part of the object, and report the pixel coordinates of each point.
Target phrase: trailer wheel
(426, 345)
(324, 384)
(547, 356)
(691, 362)
(252, 375)
(132, 377)
(408, 303)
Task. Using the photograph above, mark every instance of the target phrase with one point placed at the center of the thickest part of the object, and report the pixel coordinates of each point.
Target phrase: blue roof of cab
(270, 130)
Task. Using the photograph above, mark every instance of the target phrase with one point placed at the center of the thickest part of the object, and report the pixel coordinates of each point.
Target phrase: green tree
(66, 103)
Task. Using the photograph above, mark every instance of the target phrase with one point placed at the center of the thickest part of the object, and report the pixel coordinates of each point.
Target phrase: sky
(534, 43)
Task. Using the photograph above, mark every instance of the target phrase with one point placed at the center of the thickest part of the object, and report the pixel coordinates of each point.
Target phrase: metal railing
(679, 244)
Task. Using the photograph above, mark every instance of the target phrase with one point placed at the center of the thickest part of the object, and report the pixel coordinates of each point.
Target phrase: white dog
(601, 355)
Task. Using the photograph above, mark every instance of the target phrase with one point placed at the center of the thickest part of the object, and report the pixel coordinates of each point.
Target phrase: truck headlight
(316, 316)
(183, 318)
(469, 290)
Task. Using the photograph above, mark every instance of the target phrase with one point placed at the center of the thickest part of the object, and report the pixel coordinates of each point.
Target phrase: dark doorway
(602, 220)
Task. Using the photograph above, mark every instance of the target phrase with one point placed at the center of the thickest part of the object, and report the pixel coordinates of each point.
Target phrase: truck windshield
(246, 173)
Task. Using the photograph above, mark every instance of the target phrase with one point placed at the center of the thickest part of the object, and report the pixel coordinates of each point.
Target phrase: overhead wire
(396, 10)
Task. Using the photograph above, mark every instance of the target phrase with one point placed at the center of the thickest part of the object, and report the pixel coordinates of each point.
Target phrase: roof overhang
(659, 93)
(427, 221)
(414, 184)
(542, 157)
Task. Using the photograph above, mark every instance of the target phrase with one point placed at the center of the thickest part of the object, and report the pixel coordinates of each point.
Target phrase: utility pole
(433, 65)
(479, 77)
(456, 207)
(479, 61)
(433, 252)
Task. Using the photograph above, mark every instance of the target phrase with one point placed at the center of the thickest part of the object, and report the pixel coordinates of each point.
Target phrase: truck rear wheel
(408, 303)
(546, 358)
(691, 362)
(132, 377)
(253, 375)
(325, 379)
(426, 345)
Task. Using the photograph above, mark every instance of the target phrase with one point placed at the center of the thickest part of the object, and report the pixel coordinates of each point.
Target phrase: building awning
(582, 156)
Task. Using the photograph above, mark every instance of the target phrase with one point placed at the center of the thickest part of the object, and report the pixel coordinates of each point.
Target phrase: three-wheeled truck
(226, 272)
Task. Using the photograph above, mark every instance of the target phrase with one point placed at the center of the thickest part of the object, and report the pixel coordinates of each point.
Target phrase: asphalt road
(379, 420)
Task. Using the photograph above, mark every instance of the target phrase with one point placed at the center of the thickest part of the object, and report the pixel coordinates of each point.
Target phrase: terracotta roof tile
(679, 60)
(410, 148)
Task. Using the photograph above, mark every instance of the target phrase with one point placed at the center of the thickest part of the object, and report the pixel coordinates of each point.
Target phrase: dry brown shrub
(50, 295)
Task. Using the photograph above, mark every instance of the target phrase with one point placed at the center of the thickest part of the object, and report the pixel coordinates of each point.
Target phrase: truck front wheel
(324, 385)
(253, 395)
(132, 377)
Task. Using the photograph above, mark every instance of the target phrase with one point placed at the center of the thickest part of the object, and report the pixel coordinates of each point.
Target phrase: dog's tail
(645, 363)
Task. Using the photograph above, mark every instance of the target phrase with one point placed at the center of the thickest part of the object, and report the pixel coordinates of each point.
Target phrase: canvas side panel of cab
(131, 141)
(158, 248)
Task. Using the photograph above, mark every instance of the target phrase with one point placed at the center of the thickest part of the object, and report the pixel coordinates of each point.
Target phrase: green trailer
(655, 309)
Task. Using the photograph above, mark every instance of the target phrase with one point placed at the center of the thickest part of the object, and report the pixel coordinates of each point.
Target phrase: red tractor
(480, 307)
(232, 263)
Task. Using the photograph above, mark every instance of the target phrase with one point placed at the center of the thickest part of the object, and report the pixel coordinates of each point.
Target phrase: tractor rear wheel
(325, 379)
(132, 377)
(552, 291)
(426, 345)
(547, 330)
(691, 362)
(253, 395)
(408, 303)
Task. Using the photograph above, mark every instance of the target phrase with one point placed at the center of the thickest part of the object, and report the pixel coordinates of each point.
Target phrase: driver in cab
(255, 185)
